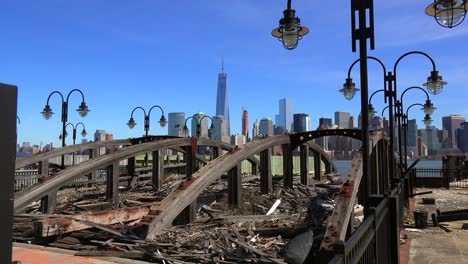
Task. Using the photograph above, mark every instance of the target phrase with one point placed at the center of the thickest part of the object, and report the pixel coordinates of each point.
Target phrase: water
(343, 165)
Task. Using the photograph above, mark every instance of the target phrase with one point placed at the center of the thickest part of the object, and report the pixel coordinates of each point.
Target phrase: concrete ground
(433, 244)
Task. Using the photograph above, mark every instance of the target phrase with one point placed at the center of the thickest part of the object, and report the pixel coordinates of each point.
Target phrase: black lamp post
(162, 121)
(211, 129)
(434, 86)
(74, 127)
(82, 110)
(290, 30)
(448, 13)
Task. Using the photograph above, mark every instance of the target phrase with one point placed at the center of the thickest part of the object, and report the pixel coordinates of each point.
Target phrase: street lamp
(427, 121)
(434, 86)
(82, 110)
(372, 110)
(83, 134)
(290, 30)
(448, 13)
(162, 121)
(212, 128)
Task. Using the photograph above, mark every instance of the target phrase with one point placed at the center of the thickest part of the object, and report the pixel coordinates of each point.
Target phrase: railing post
(266, 181)
(131, 167)
(394, 230)
(287, 166)
(157, 169)
(189, 214)
(304, 161)
(235, 187)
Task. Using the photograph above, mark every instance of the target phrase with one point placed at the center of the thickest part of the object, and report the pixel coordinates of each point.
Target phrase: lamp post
(147, 117)
(427, 121)
(211, 129)
(448, 13)
(74, 127)
(434, 86)
(290, 30)
(82, 110)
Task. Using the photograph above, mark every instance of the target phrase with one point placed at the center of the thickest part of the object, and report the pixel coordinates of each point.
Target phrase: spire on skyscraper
(222, 64)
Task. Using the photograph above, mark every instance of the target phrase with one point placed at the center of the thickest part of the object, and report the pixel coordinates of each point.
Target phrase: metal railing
(439, 178)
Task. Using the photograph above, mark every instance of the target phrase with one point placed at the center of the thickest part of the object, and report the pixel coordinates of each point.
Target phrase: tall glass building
(176, 122)
(301, 122)
(285, 117)
(266, 127)
(222, 100)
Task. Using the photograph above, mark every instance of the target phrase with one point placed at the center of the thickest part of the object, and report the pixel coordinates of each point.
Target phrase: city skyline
(120, 64)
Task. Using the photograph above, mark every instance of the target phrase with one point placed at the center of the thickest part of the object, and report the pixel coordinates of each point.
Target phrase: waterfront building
(285, 116)
(342, 119)
(301, 122)
(412, 139)
(266, 127)
(451, 123)
(431, 140)
(176, 122)
(222, 100)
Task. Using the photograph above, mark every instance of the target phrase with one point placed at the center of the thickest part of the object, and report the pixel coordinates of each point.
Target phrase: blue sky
(123, 54)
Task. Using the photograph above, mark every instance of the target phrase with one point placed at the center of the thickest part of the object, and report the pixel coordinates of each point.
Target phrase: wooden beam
(304, 158)
(287, 166)
(266, 180)
(52, 226)
(235, 187)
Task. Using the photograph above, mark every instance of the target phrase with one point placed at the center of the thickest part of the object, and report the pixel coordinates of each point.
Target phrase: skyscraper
(451, 123)
(255, 129)
(176, 122)
(220, 127)
(245, 124)
(342, 119)
(222, 101)
(285, 116)
(301, 122)
(266, 127)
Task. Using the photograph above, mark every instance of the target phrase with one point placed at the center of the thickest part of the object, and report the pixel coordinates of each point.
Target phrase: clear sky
(123, 54)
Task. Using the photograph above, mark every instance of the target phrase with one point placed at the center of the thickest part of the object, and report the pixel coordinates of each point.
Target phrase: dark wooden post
(189, 214)
(112, 185)
(216, 152)
(254, 169)
(304, 158)
(266, 181)
(157, 169)
(49, 203)
(44, 168)
(235, 187)
(317, 166)
(287, 166)
(131, 166)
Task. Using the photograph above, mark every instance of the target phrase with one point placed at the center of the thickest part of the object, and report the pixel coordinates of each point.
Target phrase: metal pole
(390, 78)
(8, 101)
(64, 121)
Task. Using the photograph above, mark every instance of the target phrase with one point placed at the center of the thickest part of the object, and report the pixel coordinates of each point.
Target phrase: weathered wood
(256, 251)
(287, 166)
(157, 169)
(51, 225)
(304, 159)
(317, 165)
(235, 187)
(266, 180)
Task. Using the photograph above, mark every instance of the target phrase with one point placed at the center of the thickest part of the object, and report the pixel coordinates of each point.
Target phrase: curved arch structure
(55, 182)
(300, 138)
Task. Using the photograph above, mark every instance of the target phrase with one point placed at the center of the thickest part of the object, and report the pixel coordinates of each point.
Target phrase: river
(343, 165)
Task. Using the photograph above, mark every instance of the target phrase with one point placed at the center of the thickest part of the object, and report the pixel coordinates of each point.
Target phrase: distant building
(451, 123)
(238, 140)
(342, 119)
(463, 137)
(222, 100)
(431, 140)
(99, 135)
(176, 123)
(352, 122)
(109, 136)
(285, 116)
(245, 124)
(220, 127)
(412, 138)
(266, 127)
(301, 122)
(255, 129)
